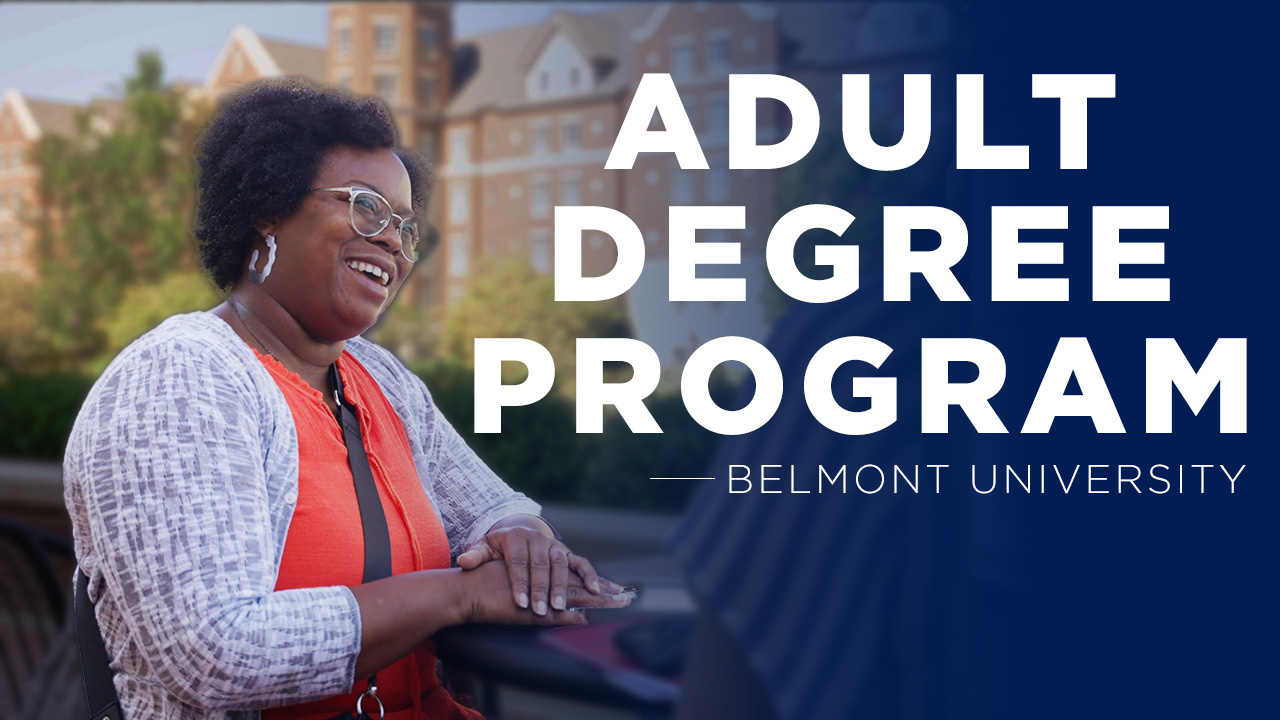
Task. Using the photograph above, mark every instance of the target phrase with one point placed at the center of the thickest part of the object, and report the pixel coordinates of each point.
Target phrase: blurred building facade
(519, 121)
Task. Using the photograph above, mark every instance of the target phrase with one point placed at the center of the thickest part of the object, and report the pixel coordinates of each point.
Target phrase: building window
(460, 146)
(717, 184)
(540, 197)
(681, 184)
(718, 54)
(427, 146)
(682, 58)
(540, 250)
(459, 255)
(575, 77)
(571, 189)
(690, 110)
(540, 137)
(718, 115)
(570, 133)
(544, 81)
(385, 38)
(387, 87)
(459, 202)
(428, 40)
(343, 42)
(427, 91)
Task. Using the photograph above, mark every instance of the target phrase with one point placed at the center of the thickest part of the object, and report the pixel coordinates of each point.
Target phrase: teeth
(373, 270)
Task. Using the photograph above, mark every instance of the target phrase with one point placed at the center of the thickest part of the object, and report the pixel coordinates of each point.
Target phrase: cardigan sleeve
(167, 488)
(470, 496)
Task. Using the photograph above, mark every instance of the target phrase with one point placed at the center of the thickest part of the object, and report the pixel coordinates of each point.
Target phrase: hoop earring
(255, 277)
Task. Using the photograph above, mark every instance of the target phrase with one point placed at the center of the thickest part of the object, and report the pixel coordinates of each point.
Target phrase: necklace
(235, 308)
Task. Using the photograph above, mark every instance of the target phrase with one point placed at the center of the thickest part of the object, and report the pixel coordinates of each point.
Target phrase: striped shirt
(181, 477)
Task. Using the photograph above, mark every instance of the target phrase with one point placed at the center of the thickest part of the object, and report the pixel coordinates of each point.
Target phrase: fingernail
(558, 602)
(542, 607)
(523, 600)
(595, 585)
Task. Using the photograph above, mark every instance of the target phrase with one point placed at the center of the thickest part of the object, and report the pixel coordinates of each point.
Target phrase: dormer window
(559, 70)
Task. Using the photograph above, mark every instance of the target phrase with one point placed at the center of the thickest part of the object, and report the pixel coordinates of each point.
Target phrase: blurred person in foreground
(214, 507)
(880, 602)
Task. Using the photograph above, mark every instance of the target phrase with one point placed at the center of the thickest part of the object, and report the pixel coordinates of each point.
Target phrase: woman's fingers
(516, 553)
(476, 555)
(559, 575)
(583, 568)
(539, 549)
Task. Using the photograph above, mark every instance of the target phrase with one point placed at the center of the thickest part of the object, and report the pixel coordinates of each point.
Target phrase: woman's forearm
(399, 613)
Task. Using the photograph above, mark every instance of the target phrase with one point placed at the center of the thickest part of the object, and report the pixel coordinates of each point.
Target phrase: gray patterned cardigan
(181, 476)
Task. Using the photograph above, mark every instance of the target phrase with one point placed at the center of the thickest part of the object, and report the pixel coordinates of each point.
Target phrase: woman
(214, 495)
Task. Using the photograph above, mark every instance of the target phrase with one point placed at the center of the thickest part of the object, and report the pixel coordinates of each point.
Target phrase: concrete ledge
(31, 482)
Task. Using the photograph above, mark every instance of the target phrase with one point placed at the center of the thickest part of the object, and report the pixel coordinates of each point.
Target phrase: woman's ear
(265, 228)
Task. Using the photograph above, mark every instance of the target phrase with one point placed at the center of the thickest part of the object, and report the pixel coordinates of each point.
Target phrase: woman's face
(313, 277)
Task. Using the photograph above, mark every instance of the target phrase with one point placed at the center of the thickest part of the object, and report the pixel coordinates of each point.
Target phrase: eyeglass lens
(370, 215)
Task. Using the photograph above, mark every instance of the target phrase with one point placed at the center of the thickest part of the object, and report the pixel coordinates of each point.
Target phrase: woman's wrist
(533, 522)
(457, 596)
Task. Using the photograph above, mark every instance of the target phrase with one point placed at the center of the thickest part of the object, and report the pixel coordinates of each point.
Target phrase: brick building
(23, 121)
(521, 120)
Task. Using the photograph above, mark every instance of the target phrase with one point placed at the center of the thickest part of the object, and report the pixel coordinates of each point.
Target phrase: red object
(325, 544)
(593, 646)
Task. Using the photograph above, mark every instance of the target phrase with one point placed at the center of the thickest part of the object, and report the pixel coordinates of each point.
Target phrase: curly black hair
(261, 151)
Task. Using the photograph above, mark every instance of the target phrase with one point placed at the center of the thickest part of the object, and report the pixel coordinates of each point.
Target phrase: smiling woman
(268, 509)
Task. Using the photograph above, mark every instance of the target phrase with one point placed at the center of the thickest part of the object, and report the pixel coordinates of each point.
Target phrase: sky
(75, 51)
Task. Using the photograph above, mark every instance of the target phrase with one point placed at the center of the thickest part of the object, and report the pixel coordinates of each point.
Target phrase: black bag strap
(377, 539)
(99, 689)
(104, 703)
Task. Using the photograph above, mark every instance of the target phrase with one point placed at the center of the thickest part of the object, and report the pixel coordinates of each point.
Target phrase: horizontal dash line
(682, 478)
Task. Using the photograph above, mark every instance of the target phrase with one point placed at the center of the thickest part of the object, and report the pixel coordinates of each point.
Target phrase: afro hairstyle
(261, 152)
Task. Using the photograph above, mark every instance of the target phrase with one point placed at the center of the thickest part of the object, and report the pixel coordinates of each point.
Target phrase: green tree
(117, 200)
(511, 300)
(142, 307)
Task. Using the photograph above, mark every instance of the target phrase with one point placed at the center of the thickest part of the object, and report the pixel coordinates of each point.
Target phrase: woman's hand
(540, 566)
(487, 599)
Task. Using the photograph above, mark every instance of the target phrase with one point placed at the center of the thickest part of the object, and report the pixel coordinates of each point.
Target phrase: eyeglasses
(370, 215)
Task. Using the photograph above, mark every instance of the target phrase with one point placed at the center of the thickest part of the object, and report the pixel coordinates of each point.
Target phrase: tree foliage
(116, 206)
(511, 300)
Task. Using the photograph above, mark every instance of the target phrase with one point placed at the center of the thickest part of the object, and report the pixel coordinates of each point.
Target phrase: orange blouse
(325, 544)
